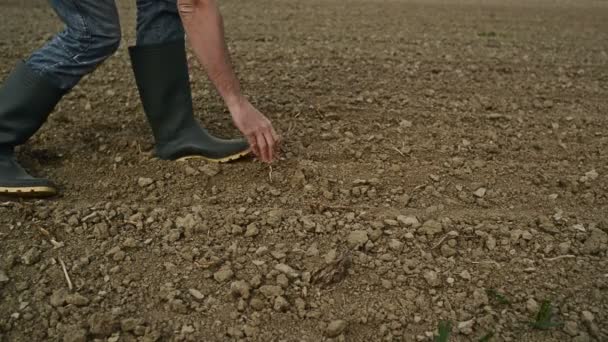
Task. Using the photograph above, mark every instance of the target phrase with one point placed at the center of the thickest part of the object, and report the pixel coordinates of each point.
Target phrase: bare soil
(443, 161)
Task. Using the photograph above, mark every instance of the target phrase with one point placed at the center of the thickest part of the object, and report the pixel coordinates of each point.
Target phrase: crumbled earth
(443, 161)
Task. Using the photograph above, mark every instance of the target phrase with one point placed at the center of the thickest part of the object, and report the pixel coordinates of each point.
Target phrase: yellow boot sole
(220, 161)
(28, 191)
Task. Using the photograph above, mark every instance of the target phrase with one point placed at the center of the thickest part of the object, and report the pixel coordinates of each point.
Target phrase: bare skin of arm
(204, 27)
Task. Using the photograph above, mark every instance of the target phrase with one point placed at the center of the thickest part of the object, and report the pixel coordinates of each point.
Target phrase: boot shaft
(26, 100)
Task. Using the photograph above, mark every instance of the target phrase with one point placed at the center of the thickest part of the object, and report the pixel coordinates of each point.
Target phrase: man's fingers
(271, 145)
(253, 145)
(262, 145)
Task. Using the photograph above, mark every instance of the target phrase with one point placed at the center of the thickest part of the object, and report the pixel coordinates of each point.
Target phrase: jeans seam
(84, 48)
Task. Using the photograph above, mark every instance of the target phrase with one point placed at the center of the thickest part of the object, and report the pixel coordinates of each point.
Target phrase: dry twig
(67, 276)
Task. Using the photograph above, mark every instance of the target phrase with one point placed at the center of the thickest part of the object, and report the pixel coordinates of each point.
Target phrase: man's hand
(258, 130)
(205, 29)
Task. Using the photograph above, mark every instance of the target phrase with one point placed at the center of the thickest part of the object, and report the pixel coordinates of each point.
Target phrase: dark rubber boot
(26, 100)
(161, 72)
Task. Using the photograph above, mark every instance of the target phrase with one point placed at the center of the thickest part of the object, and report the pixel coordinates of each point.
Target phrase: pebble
(31, 257)
(281, 304)
(431, 227)
(196, 294)
(532, 305)
(466, 327)
(596, 242)
(491, 242)
(240, 289)
(102, 324)
(271, 291)
(409, 221)
(395, 245)
(571, 328)
(144, 182)
(587, 316)
(211, 169)
(223, 275)
(75, 334)
(465, 275)
(252, 230)
(3, 277)
(480, 193)
(432, 278)
(336, 328)
(480, 298)
(77, 299)
(287, 270)
(58, 298)
(447, 251)
(357, 238)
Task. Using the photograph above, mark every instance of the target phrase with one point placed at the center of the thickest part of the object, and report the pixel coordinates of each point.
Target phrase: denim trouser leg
(90, 36)
(158, 22)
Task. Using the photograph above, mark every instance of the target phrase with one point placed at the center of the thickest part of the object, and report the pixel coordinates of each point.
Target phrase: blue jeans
(92, 34)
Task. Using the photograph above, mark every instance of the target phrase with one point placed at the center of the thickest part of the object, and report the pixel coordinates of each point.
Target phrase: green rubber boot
(161, 73)
(26, 100)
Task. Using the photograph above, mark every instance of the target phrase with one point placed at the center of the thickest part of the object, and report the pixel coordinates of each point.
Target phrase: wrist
(235, 102)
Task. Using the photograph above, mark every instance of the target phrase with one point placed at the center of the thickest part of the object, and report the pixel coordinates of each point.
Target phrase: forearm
(205, 30)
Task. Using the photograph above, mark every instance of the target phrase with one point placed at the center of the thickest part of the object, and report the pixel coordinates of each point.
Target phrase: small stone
(31, 257)
(480, 298)
(271, 291)
(571, 328)
(3, 277)
(564, 247)
(187, 329)
(144, 182)
(252, 230)
(130, 324)
(409, 221)
(532, 305)
(190, 171)
(240, 289)
(287, 270)
(545, 224)
(357, 238)
(211, 169)
(491, 243)
(465, 275)
(223, 275)
(447, 251)
(75, 334)
(336, 328)
(330, 256)
(587, 316)
(281, 304)
(466, 327)
(596, 242)
(250, 331)
(431, 227)
(589, 176)
(395, 245)
(59, 298)
(282, 281)
(432, 278)
(257, 304)
(102, 324)
(480, 193)
(196, 294)
(391, 223)
(77, 299)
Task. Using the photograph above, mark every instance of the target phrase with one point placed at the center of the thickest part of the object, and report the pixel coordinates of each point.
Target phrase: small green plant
(499, 297)
(544, 317)
(445, 328)
(487, 337)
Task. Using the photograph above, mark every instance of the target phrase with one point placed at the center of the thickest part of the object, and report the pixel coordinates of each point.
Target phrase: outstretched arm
(205, 30)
